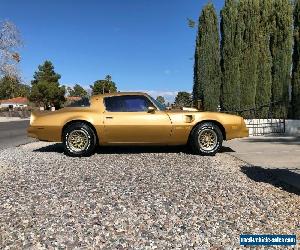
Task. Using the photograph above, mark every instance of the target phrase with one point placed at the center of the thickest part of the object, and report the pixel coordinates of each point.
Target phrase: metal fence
(265, 126)
(269, 123)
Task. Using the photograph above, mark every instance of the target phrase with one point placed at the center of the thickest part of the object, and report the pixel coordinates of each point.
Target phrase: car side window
(136, 104)
(128, 103)
(113, 104)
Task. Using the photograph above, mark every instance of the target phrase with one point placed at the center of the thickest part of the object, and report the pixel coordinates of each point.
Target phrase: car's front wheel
(79, 139)
(206, 139)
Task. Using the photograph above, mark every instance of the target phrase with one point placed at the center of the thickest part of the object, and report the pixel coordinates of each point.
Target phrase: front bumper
(244, 132)
(237, 132)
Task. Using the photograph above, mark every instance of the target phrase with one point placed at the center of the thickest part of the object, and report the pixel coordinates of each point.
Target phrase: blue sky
(144, 44)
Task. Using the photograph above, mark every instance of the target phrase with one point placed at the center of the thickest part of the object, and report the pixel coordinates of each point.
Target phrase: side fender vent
(189, 118)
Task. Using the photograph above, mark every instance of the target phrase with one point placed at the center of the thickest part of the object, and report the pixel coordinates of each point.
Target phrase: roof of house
(121, 93)
(19, 100)
(73, 98)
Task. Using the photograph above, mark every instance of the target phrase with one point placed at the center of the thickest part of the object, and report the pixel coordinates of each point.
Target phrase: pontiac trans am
(134, 119)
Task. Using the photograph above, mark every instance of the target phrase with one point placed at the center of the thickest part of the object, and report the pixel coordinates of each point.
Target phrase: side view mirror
(151, 110)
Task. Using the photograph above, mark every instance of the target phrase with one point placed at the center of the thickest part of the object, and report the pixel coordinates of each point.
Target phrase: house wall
(292, 127)
(15, 105)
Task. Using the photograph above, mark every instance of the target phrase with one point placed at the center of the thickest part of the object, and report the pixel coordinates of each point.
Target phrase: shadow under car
(58, 147)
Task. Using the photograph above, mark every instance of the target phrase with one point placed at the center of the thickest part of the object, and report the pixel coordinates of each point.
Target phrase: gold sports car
(134, 119)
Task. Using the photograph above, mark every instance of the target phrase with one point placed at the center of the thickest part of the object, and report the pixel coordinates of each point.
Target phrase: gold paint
(208, 139)
(78, 140)
(157, 128)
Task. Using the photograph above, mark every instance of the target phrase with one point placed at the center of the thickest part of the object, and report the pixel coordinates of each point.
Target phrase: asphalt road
(13, 134)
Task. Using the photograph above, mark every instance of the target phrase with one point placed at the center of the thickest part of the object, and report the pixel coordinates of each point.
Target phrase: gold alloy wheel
(78, 140)
(207, 139)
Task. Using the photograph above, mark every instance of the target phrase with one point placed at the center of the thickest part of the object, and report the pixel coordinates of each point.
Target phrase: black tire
(85, 132)
(212, 130)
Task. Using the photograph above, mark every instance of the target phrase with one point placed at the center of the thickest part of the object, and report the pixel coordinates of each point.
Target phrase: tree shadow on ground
(259, 174)
(277, 139)
(58, 147)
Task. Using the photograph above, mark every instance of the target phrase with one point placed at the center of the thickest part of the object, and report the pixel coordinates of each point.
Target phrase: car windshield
(158, 104)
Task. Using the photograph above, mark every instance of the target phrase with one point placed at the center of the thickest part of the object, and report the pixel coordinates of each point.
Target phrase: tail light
(32, 118)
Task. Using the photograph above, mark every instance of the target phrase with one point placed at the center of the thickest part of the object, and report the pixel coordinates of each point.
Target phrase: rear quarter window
(83, 102)
(113, 104)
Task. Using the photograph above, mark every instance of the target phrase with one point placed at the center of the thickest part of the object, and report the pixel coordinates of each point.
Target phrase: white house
(17, 102)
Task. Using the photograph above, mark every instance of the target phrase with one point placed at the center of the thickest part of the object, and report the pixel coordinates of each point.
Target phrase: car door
(127, 121)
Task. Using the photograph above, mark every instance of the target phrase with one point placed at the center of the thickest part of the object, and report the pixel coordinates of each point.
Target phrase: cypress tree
(230, 48)
(207, 60)
(197, 92)
(296, 63)
(264, 65)
(281, 50)
(249, 23)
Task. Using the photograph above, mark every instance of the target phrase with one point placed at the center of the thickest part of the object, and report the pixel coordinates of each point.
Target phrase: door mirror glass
(151, 109)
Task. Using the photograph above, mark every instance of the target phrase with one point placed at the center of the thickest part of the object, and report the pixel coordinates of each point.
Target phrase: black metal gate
(265, 126)
(270, 124)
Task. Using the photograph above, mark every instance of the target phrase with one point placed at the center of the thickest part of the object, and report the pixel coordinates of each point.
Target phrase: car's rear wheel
(206, 139)
(79, 139)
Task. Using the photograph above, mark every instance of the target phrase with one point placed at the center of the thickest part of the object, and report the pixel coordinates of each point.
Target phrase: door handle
(108, 117)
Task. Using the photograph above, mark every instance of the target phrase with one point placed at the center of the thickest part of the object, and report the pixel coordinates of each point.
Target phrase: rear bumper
(49, 133)
(31, 132)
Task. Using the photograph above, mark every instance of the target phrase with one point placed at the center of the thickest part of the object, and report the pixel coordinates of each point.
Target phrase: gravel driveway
(146, 199)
